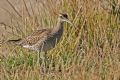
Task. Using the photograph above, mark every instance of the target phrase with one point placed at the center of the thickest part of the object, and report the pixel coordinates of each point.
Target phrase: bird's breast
(52, 40)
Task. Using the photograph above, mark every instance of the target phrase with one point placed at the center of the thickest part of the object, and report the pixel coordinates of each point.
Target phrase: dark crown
(64, 15)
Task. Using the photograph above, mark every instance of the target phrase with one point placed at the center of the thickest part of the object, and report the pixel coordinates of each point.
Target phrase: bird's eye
(61, 16)
(65, 16)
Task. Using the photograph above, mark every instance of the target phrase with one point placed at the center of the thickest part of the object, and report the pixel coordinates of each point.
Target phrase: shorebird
(44, 39)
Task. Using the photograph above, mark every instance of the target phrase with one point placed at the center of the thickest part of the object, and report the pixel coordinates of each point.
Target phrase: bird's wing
(39, 35)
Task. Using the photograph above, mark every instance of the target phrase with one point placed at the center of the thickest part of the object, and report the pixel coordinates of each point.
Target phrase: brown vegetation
(89, 52)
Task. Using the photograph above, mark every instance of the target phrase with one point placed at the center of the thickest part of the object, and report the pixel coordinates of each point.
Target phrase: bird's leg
(38, 57)
(44, 62)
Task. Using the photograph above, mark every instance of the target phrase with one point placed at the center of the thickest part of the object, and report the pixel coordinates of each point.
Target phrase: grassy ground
(91, 51)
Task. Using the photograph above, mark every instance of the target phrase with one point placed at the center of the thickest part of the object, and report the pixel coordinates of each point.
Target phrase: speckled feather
(35, 37)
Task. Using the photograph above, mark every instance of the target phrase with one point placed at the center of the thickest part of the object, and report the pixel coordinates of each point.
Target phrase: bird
(44, 39)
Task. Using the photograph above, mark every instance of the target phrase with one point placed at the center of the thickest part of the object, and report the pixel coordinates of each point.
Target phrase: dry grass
(91, 51)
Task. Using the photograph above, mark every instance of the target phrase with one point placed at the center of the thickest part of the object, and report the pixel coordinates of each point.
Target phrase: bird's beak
(68, 21)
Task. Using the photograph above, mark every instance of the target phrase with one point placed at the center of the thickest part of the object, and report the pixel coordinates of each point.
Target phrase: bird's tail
(14, 41)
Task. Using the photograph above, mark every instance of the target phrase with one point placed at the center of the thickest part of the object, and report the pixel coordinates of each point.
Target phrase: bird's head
(64, 18)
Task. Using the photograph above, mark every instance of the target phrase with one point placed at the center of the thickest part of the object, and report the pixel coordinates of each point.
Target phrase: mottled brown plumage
(34, 37)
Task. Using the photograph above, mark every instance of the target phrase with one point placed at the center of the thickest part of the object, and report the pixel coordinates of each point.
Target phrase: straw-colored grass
(88, 51)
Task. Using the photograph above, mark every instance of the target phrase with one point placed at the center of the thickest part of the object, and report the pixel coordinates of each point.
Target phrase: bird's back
(42, 39)
(35, 37)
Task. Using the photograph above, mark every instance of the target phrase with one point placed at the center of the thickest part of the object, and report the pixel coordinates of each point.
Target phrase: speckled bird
(44, 39)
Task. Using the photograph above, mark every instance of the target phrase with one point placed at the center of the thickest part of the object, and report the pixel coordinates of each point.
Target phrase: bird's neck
(59, 27)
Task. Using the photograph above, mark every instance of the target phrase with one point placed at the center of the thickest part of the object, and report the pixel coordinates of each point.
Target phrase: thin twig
(26, 8)
(31, 7)
(13, 7)
(11, 14)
